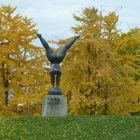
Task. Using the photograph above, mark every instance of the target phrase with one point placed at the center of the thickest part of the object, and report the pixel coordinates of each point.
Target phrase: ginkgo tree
(95, 79)
(22, 65)
(100, 72)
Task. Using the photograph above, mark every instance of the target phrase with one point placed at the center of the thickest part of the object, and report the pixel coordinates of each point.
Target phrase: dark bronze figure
(55, 59)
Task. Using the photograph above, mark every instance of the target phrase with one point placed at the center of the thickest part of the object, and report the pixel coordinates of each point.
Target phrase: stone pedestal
(54, 105)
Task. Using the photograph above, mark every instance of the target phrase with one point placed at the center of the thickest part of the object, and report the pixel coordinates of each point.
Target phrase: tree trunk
(105, 108)
(5, 82)
(6, 98)
(105, 104)
(93, 109)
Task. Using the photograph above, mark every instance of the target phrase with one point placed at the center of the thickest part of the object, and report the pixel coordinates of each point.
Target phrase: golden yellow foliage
(23, 75)
(95, 78)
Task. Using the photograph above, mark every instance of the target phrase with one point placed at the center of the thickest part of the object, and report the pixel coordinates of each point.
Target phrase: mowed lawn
(70, 128)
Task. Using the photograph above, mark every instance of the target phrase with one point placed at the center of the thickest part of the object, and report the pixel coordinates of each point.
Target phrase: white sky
(54, 17)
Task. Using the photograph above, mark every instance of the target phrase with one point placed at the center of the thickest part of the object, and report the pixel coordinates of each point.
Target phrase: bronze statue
(55, 59)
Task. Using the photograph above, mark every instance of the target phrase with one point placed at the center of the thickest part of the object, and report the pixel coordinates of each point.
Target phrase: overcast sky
(54, 17)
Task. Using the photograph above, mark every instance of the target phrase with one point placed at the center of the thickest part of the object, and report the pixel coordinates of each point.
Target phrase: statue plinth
(54, 106)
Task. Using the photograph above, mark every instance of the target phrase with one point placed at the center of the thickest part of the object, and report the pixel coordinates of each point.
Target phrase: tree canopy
(101, 73)
(97, 70)
(22, 65)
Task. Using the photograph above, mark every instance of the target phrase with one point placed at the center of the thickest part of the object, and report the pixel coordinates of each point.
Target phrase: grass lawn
(70, 128)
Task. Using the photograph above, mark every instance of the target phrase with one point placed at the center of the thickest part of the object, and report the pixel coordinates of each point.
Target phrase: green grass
(70, 128)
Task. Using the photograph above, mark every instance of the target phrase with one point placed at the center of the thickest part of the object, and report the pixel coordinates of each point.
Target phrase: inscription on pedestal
(54, 100)
(54, 105)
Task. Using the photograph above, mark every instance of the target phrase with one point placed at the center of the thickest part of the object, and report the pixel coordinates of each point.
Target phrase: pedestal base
(54, 105)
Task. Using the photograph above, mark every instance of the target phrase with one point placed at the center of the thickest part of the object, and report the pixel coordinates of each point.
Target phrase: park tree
(109, 27)
(129, 50)
(94, 77)
(89, 21)
(23, 68)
